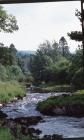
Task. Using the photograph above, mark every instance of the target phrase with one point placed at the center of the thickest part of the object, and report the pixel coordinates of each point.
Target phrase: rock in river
(2, 115)
(28, 120)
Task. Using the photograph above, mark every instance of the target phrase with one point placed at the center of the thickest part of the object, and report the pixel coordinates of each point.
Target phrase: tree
(13, 49)
(63, 46)
(13, 54)
(41, 59)
(58, 72)
(77, 35)
(45, 48)
(77, 62)
(8, 23)
(8, 55)
(48, 63)
(55, 51)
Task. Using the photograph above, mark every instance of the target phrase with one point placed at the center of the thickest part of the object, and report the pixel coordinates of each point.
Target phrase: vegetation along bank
(70, 105)
(10, 90)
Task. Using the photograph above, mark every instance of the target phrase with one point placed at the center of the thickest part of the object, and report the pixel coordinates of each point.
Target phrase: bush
(15, 73)
(29, 78)
(3, 73)
(78, 79)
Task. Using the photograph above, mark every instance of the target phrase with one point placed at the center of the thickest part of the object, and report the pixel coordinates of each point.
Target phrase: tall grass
(9, 90)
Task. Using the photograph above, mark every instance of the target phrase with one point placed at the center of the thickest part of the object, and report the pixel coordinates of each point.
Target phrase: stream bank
(64, 105)
(45, 126)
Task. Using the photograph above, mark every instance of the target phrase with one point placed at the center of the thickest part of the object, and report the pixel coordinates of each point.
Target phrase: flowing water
(68, 127)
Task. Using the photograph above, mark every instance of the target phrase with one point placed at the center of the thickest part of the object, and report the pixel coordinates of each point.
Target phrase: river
(68, 127)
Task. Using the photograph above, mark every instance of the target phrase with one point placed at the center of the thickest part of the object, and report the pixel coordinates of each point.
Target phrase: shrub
(3, 73)
(15, 73)
(78, 79)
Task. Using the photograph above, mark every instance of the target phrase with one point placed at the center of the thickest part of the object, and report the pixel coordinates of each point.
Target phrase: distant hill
(23, 53)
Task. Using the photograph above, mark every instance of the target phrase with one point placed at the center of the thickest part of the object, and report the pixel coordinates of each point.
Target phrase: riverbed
(68, 127)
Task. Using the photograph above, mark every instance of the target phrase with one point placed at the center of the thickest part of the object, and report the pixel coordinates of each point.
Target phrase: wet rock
(19, 97)
(76, 110)
(28, 120)
(47, 137)
(52, 137)
(2, 122)
(56, 137)
(2, 115)
(30, 131)
(59, 110)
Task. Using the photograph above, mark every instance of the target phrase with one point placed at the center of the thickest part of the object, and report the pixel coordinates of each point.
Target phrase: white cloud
(41, 21)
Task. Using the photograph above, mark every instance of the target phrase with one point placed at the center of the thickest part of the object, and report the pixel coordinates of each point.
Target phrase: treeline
(54, 63)
(13, 65)
(11, 75)
(9, 64)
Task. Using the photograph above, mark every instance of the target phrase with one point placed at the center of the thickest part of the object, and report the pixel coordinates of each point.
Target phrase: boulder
(2, 114)
(59, 110)
(28, 120)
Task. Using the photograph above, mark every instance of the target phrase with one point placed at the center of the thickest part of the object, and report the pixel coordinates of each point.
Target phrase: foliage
(78, 79)
(10, 89)
(63, 46)
(77, 35)
(6, 134)
(3, 73)
(5, 57)
(29, 78)
(8, 22)
(54, 63)
(58, 71)
(52, 88)
(8, 55)
(15, 73)
(76, 99)
(75, 63)
(24, 61)
(49, 64)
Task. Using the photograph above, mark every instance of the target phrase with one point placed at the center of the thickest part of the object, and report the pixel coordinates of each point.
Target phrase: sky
(39, 22)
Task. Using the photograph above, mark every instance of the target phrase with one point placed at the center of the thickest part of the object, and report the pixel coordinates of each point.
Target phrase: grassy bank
(6, 134)
(52, 88)
(9, 90)
(76, 99)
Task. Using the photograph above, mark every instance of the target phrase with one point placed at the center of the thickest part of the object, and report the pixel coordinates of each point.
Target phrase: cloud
(41, 21)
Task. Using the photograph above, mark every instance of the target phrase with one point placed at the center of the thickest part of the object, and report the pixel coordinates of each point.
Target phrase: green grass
(5, 134)
(9, 90)
(76, 99)
(55, 88)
